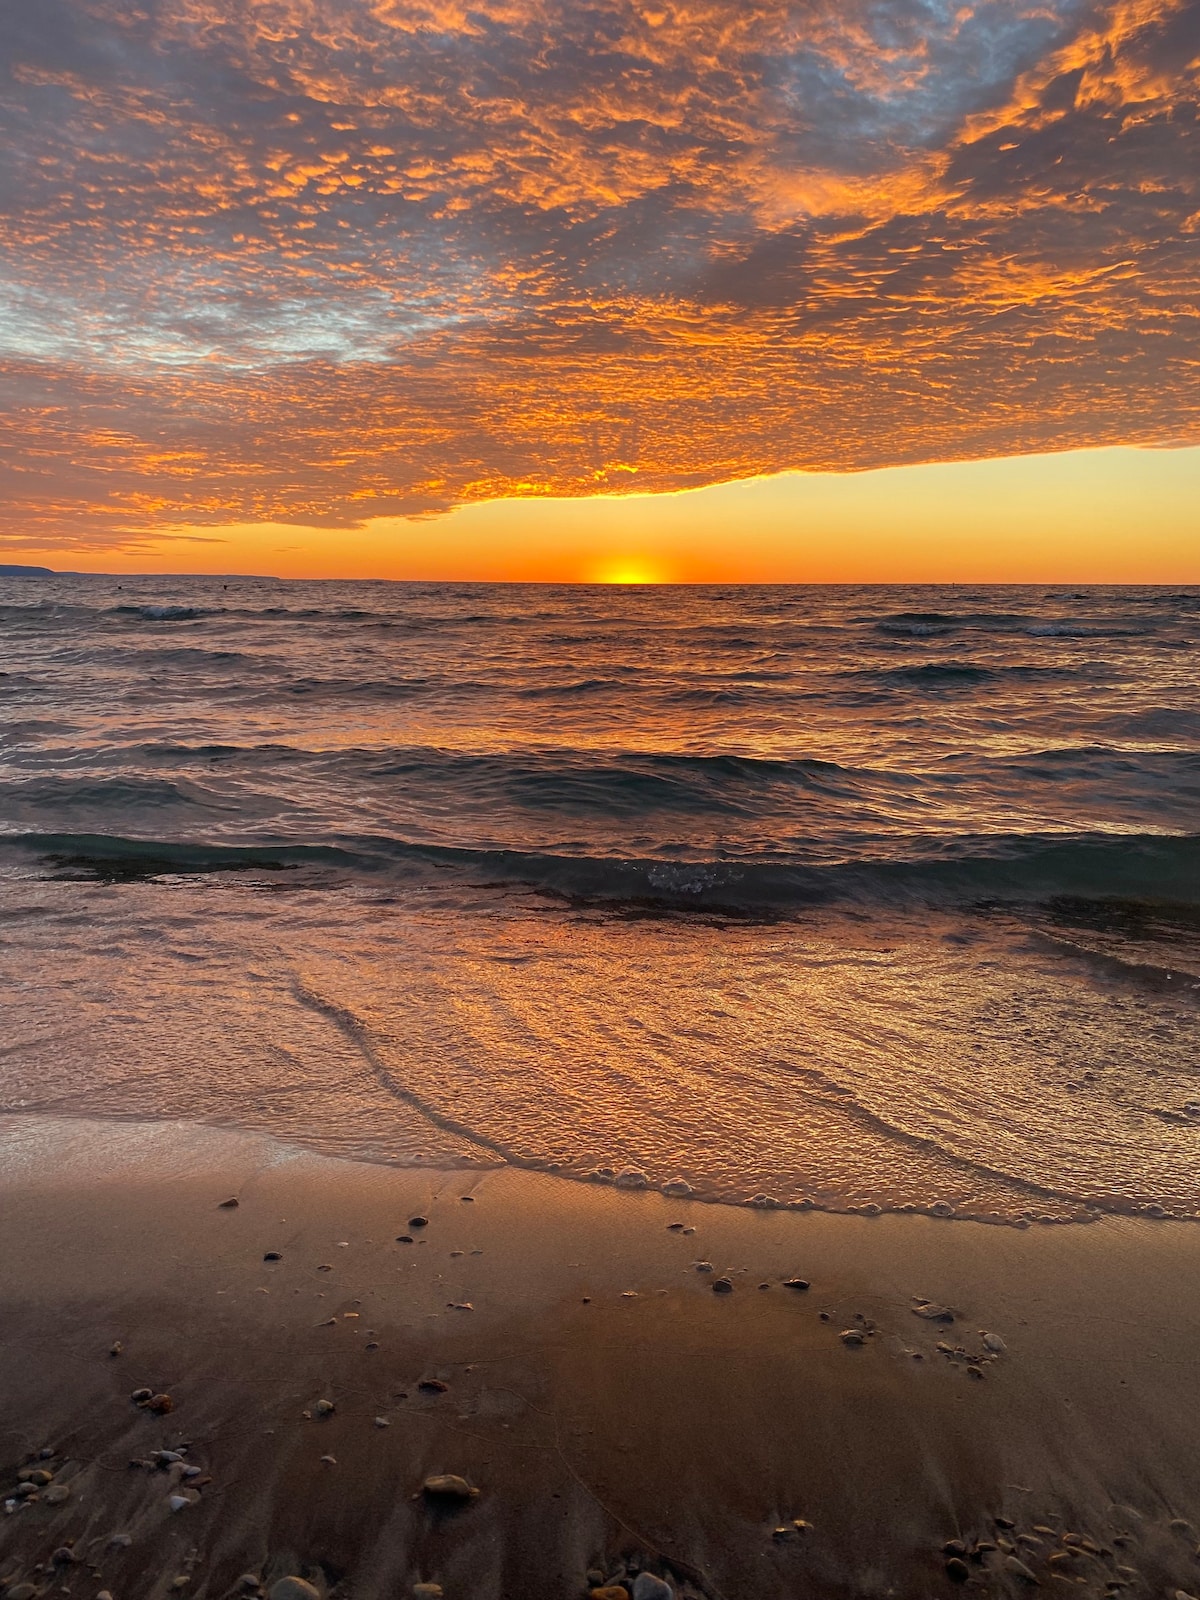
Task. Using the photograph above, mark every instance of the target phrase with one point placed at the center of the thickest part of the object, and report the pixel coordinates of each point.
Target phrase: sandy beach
(561, 1347)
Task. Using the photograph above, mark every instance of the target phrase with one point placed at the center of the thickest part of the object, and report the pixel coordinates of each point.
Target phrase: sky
(847, 289)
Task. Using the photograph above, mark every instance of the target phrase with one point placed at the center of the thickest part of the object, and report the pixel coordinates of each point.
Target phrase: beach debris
(647, 1587)
(631, 1178)
(852, 1337)
(229, 1205)
(1017, 1567)
(723, 1286)
(324, 1408)
(993, 1342)
(418, 1222)
(273, 1255)
(292, 1588)
(433, 1386)
(931, 1311)
(677, 1188)
(796, 1283)
(448, 1486)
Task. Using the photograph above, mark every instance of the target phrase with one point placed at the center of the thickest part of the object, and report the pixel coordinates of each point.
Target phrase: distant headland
(9, 571)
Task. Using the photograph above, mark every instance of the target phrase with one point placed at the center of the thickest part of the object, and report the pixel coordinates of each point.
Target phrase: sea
(866, 899)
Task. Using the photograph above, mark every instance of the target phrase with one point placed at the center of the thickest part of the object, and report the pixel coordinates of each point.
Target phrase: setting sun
(629, 570)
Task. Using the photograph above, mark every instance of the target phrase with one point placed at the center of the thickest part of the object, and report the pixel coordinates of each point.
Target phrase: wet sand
(614, 1409)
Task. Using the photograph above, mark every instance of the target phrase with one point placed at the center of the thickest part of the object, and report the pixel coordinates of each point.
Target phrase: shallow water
(847, 897)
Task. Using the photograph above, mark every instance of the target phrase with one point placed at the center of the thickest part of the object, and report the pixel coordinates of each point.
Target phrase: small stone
(1017, 1567)
(610, 1591)
(140, 1396)
(248, 1581)
(181, 1582)
(448, 1486)
(329, 1461)
(932, 1312)
(1004, 1522)
(433, 1386)
(324, 1408)
(723, 1286)
(677, 1188)
(852, 1337)
(1180, 1525)
(64, 1556)
(705, 1266)
(273, 1255)
(418, 1222)
(631, 1178)
(41, 1477)
(105, 1594)
(674, 1227)
(781, 1533)
(974, 1372)
(115, 1348)
(120, 1541)
(647, 1587)
(594, 1577)
(942, 1208)
(183, 1498)
(160, 1404)
(801, 1526)
(57, 1494)
(427, 1591)
(293, 1589)
(796, 1283)
(957, 1570)
(229, 1205)
(382, 1422)
(26, 1591)
(954, 1547)
(994, 1343)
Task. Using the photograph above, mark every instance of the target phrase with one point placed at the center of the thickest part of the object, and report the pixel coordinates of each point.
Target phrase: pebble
(993, 1342)
(140, 1396)
(851, 1336)
(64, 1556)
(293, 1589)
(957, 1569)
(418, 1222)
(1017, 1567)
(677, 1187)
(182, 1498)
(181, 1582)
(674, 1227)
(932, 1312)
(105, 1594)
(229, 1205)
(382, 1422)
(21, 1591)
(610, 1591)
(705, 1266)
(329, 1461)
(631, 1178)
(647, 1587)
(723, 1286)
(115, 1348)
(273, 1255)
(795, 1283)
(120, 1541)
(56, 1494)
(427, 1591)
(448, 1486)
(324, 1408)
(433, 1386)
(404, 1238)
(248, 1580)
(160, 1404)
(954, 1547)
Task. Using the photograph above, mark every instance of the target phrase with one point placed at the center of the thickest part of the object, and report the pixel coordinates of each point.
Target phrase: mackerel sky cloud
(320, 262)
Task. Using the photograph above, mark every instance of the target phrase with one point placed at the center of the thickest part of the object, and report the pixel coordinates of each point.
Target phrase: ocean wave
(1151, 870)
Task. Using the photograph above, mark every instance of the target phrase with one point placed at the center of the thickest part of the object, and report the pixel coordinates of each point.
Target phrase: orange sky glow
(602, 290)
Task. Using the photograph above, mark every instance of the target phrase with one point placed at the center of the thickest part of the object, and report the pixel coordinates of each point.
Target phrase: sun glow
(624, 569)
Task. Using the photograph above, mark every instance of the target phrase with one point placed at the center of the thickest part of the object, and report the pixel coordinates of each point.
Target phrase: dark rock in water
(229, 1205)
(795, 1283)
(647, 1587)
(293, 1589)
(448, 1486)
(418, 1222)
(957, 1570)
(273, 1255)
(723, 1286)
(1018, 1569)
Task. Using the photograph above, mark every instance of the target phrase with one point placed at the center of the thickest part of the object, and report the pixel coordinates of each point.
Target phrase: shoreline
(610, 1407)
